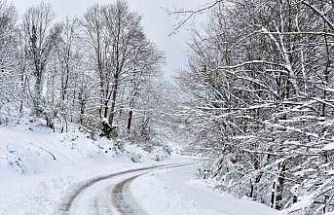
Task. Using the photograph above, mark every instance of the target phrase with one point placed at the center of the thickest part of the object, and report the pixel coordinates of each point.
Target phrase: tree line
(98, 70)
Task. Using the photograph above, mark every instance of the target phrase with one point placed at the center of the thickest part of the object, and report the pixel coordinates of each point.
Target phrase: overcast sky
(156, 22)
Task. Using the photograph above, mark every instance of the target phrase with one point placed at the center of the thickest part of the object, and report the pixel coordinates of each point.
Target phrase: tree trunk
(113, 105)
(129, 120)
(107, 126)
(37, 96)
(279, 188)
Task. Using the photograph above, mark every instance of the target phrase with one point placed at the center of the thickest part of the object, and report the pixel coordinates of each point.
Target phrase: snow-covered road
(123, 199)
(178, 192)
(163, 189)
(93, 196)
(122, 196)
(133, 189)
(107, 194)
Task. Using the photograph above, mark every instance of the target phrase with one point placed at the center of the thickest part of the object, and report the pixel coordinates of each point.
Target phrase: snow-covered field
(40, 171)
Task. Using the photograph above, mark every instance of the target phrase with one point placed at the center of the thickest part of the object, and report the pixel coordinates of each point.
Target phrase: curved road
(109, 194)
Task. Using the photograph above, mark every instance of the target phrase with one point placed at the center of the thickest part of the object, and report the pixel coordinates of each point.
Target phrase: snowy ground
(42, 172)
(175, 191)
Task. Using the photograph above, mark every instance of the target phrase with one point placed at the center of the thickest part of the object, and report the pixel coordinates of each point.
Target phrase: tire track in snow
(122, 198)
(66, 206)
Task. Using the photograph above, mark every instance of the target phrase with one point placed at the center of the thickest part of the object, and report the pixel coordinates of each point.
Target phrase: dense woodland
(257, 95)
(262, 100)
(97, 70)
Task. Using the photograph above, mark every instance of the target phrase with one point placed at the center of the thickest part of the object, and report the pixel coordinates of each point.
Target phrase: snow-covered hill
(42, 172)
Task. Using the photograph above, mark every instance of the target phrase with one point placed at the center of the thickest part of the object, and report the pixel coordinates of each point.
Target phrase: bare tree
(118, 40)
(40, 38)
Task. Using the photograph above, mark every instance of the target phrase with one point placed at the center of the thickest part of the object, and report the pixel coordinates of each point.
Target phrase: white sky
(156, 22)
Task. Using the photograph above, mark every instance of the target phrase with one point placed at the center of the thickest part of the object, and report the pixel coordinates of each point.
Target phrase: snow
(37, 166)
(29, 152)
(174, 191)
(40, 169)
(328, 147)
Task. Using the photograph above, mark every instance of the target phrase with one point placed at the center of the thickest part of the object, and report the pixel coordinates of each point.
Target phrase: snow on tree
(97, 70)
(121, 54)
(261, 77)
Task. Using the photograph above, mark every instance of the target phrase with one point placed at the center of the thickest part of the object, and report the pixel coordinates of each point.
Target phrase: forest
(256, 98)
